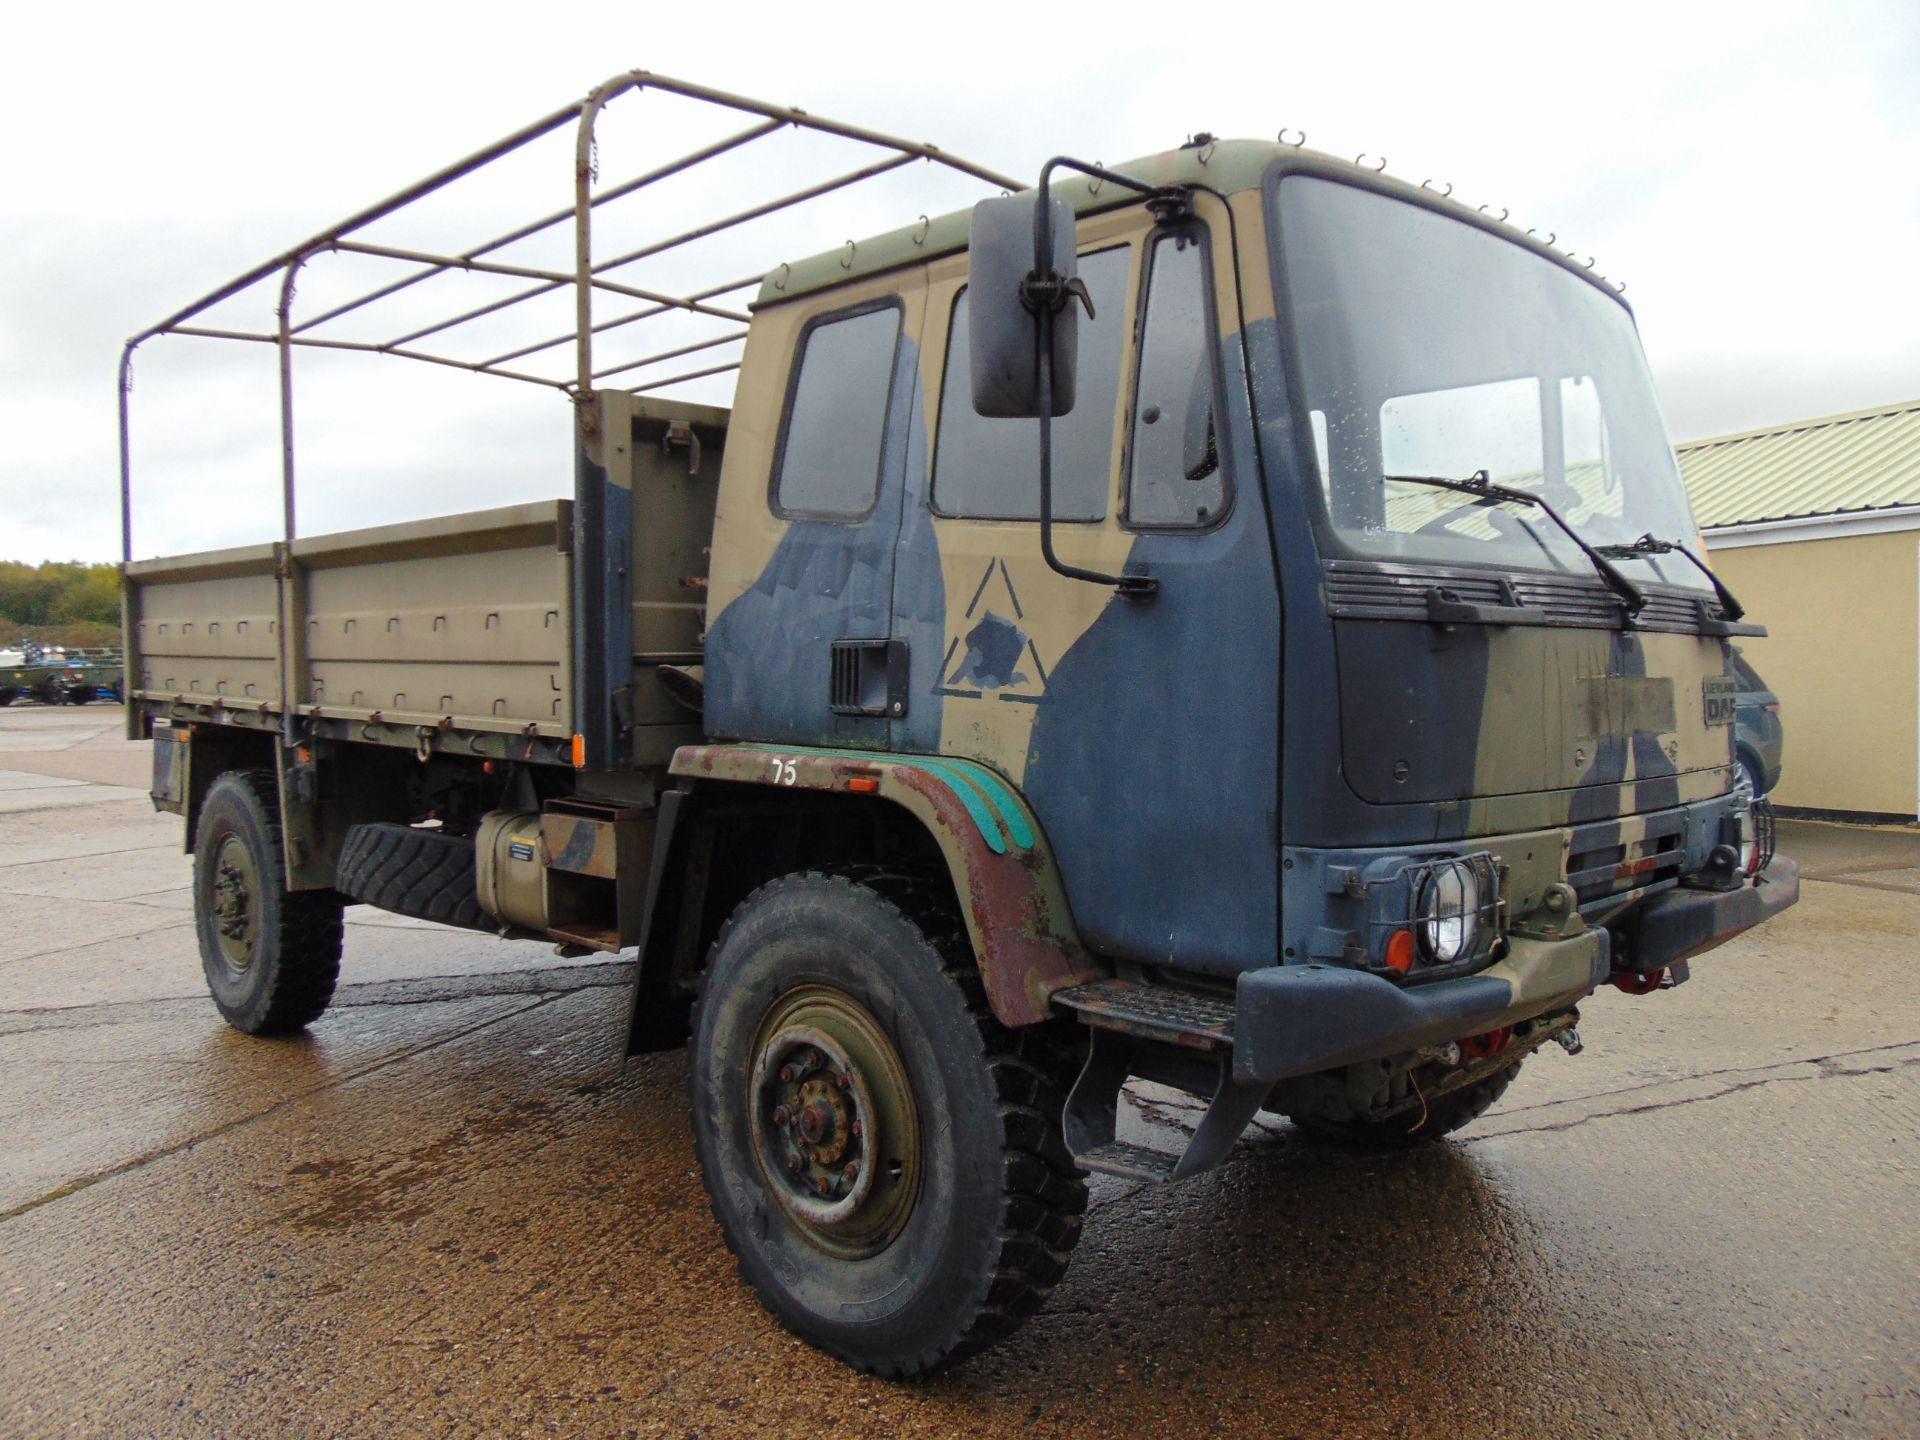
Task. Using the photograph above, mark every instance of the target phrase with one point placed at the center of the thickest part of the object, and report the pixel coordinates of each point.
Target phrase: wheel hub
(834, 1123)
(234, 911)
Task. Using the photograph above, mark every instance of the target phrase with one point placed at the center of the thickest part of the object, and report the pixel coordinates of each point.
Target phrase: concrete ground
(454, 1209)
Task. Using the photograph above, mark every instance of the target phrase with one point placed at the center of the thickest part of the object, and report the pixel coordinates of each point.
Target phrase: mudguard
(1003, 871)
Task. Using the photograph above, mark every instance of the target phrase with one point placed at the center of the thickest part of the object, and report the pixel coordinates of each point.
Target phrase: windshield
(1431, 347)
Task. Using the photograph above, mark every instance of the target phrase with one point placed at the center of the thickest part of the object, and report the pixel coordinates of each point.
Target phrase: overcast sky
(1752, 173)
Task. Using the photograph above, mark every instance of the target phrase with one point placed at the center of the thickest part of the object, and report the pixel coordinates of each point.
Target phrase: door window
(990, 469)
(1175, 477)
(829, 465)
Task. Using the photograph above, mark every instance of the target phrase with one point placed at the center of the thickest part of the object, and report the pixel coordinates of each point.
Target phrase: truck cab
(1306, 698)
(1370, 740)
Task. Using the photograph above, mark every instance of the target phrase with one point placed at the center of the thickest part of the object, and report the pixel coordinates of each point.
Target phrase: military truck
(1229, 620)
(57, 676)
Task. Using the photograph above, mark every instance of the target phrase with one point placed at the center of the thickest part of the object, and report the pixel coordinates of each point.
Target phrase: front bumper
(1298, 1019)
(1680, 924)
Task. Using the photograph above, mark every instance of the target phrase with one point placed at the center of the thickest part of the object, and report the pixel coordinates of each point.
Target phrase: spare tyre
(427, 874)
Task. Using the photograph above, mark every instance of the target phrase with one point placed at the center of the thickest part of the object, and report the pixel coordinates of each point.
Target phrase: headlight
(1447, 911)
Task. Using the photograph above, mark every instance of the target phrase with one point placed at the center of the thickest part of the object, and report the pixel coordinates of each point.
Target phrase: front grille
(1362, 590)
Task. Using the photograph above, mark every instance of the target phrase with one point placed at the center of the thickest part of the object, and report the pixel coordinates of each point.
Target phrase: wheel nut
(852, 1171)
(781, 1115)
(823, 1186)
(842, 1081)
(856, 1129)
(786, 1073)
(793, 1162)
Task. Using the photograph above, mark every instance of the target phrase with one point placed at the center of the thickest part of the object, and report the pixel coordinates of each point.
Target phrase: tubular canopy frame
(587, 277)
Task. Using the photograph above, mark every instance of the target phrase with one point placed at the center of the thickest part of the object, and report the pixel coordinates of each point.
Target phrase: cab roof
(1226, 166)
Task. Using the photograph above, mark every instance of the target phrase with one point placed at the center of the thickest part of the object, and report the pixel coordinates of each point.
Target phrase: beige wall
(1844, 657)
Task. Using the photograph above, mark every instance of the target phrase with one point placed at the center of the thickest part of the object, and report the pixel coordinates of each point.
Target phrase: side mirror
(1004, 358)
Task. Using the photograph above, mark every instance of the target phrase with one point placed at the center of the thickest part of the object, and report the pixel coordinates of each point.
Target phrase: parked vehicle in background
(1262, 726)
(56, 676)
(1759, 736)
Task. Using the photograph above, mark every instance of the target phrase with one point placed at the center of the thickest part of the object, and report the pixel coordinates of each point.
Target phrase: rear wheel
(884, 1158)
(271, 955)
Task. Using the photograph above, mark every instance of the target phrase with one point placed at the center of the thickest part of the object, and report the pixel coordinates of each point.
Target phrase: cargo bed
(463, 633)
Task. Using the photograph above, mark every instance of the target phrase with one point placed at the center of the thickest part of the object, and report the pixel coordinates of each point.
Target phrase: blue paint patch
(1153, 765)
(994, 649)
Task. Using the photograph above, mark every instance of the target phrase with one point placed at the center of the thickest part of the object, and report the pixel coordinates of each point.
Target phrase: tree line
(59, 603)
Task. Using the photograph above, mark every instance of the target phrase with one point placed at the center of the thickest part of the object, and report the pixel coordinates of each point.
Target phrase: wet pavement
(454, 1209)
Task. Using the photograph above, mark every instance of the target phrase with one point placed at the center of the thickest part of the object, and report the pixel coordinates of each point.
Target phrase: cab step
(1153, 1012)
(1157, 1032)
(1130, 1162)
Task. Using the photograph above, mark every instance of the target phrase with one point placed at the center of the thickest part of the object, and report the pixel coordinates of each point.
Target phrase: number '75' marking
(785, 772)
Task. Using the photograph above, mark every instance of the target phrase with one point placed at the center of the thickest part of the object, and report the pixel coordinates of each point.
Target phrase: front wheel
(271, 955)
(884, 1158)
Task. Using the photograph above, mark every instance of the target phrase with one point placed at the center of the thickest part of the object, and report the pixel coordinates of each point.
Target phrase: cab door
(801, 590)
(1143, 732)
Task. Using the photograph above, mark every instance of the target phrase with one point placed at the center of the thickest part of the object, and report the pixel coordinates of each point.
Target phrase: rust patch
(1023, 953)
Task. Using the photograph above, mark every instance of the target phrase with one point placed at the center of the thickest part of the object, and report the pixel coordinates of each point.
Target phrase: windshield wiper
(1481, 484)
(1647, 545)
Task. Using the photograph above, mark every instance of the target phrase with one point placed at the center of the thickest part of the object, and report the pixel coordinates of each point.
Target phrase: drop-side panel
(204, 626)
(461, 622)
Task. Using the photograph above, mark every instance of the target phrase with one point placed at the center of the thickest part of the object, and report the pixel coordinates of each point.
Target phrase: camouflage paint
(1147, 737)
(782, 590)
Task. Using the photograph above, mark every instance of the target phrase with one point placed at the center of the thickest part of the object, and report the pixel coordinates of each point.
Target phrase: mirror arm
(1045, 295)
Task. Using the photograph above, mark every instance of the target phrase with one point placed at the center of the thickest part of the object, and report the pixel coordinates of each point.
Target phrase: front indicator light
(1400, 951)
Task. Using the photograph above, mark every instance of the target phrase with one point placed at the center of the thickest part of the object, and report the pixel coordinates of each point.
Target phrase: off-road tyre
(423, 873)
(1441, 1116)
(999, 1203)
(276, 975)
